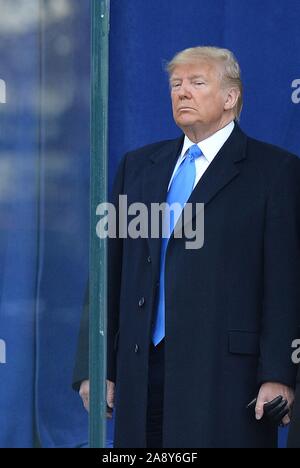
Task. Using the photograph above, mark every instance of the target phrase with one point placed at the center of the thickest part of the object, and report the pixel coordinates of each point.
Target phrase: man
(195, 334)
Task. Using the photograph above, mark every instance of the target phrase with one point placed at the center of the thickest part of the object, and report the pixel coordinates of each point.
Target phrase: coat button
(149, 259)
(141, 302)
(136, 348)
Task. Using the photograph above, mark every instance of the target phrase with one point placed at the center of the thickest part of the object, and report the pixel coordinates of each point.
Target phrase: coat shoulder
(144, 153)
(275, 165)
(270, 155)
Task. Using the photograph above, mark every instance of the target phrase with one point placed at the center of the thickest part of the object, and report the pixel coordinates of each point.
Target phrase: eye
(198, 83)
(175, 85)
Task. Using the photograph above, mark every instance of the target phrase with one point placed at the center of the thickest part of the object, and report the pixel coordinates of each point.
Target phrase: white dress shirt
(209, 147)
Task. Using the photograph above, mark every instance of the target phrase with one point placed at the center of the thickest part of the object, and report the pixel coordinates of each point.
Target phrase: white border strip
(2, 92)
(2, 352)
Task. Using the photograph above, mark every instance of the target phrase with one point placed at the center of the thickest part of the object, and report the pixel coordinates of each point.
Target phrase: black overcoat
(232, 307)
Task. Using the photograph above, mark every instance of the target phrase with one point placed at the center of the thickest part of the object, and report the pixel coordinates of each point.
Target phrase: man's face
(197, 96)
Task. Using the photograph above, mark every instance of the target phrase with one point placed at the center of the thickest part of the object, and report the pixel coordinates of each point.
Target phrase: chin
(185, 122)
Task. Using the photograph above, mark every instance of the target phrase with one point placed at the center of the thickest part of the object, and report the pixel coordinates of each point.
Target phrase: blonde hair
(231, 72)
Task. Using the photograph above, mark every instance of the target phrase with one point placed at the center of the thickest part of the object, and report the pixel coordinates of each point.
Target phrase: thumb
(259, 409)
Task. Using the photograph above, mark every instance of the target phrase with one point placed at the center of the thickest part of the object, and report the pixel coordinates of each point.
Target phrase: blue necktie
(179, 192)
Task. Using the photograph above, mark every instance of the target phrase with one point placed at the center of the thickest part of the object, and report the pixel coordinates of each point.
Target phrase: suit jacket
(232, 307)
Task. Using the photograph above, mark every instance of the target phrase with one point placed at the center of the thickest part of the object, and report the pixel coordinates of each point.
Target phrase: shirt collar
(211, 145)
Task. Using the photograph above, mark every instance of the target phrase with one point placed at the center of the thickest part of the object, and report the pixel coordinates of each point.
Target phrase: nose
(184, 91)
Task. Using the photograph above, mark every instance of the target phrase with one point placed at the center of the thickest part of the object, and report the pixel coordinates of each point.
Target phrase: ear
(232, 95)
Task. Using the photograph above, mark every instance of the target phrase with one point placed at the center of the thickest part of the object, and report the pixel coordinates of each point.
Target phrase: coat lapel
(156, 179)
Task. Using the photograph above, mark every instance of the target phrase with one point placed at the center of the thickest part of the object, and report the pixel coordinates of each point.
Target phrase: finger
(83, 394)
(259, 409)
(273, 404)
(110, 401)
(286, 420)
(110, 397)
(86, 404)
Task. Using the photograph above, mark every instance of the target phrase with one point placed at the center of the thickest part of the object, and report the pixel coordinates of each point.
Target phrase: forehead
(206, 68)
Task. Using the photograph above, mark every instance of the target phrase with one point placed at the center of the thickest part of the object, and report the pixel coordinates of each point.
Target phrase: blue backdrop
(44, 165)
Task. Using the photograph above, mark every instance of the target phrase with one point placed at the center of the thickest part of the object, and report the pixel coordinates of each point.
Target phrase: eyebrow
(193, 77)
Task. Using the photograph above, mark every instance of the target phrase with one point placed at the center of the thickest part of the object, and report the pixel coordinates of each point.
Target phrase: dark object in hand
(274, 410)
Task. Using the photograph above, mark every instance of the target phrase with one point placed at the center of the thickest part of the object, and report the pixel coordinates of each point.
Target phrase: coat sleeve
(281, 304)
(115, 254)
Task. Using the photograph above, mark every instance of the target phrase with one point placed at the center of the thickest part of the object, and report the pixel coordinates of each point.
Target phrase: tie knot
(194, 152)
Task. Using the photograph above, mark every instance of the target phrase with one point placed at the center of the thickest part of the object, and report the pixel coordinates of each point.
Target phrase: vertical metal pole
(98, 247)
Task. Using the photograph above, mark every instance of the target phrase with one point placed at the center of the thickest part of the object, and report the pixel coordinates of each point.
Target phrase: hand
(268, 392)
(84, 393)
(110, 397)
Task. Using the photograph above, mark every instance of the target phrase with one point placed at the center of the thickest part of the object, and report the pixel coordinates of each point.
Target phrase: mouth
(182, 109)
